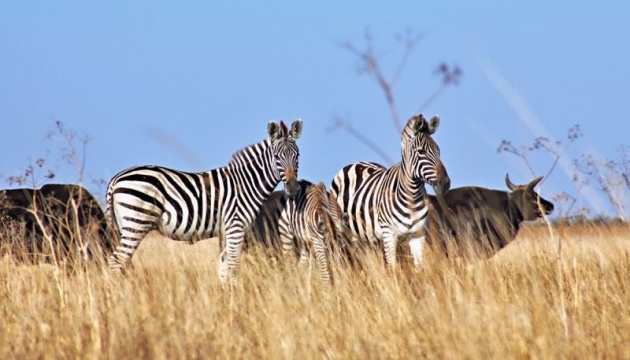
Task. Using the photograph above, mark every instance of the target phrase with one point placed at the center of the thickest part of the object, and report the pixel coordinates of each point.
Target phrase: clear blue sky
(185, 84)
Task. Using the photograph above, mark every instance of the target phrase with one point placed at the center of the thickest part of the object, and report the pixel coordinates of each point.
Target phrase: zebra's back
(357, 190)
(176, 203)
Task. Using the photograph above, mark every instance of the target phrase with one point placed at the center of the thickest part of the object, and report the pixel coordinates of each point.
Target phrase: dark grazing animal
(481, 220)
(65, 217)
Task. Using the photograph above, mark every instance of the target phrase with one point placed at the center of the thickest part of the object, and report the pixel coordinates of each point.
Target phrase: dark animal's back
(470, 219)
(71, 216)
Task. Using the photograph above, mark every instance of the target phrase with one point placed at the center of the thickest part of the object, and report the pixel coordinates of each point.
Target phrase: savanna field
(553, 293)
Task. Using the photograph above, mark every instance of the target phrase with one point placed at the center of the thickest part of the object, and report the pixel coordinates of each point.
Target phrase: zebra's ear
(296, 129)
(415, 125)
(433, 124)
(275, 130)
(418, 124)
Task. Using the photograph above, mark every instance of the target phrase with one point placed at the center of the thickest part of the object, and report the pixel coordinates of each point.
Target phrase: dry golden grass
(533, 300)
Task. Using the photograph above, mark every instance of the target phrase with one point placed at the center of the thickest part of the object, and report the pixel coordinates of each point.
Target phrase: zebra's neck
(251, 154)
(410, 190)
(254, 173)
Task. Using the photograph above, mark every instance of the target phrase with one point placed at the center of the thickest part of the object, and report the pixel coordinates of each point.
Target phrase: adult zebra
(383, 204)
(190, 206)
(301, 224)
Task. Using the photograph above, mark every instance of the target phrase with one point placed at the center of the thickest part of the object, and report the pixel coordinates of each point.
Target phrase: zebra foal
(300, 225)
(187, 206)
(383, 204)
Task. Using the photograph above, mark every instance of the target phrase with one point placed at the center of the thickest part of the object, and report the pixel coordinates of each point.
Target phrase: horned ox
(482, 220)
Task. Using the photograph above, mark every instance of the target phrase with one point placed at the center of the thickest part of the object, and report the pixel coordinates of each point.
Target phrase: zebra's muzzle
(291, 187)
(442, 185)
(290, 182)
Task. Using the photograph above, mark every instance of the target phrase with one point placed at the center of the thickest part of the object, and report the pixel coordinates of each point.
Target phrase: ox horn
(533, 183)
(509, 183)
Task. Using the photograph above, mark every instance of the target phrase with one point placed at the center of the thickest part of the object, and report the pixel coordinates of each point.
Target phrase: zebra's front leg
(287, 242)
(416, 246)
(231, 254)
(389, 246)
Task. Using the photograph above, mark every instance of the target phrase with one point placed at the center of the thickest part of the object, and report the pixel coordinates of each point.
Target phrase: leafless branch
(450, 76)
(370, 64)
(506, 146)
(68, 148)
(339, 123)
(410, 41)
(609, 178)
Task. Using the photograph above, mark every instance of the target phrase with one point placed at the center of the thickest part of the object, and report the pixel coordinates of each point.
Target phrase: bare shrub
(610, 176)
(556, 149)
(370, 64)
(62, 224)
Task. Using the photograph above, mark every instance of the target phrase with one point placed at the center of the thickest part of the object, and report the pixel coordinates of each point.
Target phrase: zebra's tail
(109, 202)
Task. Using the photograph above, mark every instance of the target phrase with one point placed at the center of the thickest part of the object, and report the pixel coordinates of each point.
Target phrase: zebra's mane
(244, 156)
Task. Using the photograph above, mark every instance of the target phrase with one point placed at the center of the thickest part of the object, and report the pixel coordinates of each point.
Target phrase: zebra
(187, 206)
(384, 204)
(297, 225)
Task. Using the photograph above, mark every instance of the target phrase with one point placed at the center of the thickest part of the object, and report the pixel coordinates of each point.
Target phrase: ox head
(421, 154)
(15, 198)
(286, 153)
(530, 203)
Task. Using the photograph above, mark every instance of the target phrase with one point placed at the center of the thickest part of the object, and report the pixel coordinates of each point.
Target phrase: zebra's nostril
(442, 185)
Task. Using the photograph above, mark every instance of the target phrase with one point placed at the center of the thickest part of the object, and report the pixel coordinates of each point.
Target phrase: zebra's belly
(399, 228)
(366, 232)
(184, 232)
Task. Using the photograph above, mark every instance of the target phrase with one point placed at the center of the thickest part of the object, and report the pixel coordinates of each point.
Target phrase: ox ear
(510, 184)
(533, 183)
(296, 129)
(276, 131)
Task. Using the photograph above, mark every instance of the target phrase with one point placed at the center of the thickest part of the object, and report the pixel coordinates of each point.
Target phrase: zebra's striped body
(303, 223)
(190, 206)
(383, 204)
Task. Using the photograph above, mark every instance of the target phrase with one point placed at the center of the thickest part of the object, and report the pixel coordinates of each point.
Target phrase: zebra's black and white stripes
(306, 223)
(189, 206)
(383, 204)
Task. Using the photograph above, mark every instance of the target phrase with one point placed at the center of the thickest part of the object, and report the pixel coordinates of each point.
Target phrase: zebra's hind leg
(304, 256)
(319, 248)
(129, 241)
(231, 254)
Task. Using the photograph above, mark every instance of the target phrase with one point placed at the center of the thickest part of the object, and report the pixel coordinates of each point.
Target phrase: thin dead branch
(371, 65)
(341, 124)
